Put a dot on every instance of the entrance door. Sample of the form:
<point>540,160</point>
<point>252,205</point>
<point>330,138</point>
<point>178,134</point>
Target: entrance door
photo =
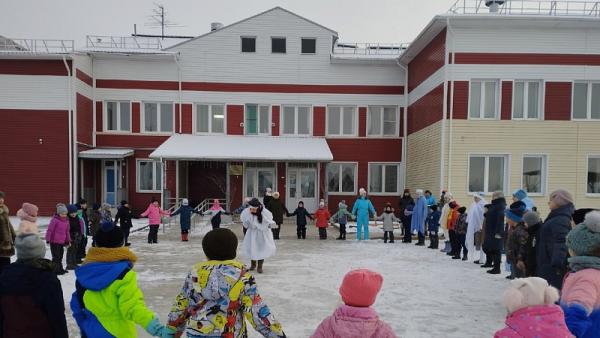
<point>302,186</point>
<point>111,181</point>
<point>257,180</point>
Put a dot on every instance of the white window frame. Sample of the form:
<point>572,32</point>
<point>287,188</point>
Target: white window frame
<point>382,107</point>
<point>340,192</point>
<point>507,166</point>
<point>398,184</point>
<point>588,104</point>
<point>341,134</point>
<point>105,116</point>
<point>159,112</point>
<point>154,179</point>
<point>269,123</point>
<point>544,173</point>
<point>587,165</point>
<point>482,101</point>
<point>295,133</point>
<point>249,37</point>
<point>542,93</point>
<point>210,107</point>
<point>279,37</point>
<point>308,38</point>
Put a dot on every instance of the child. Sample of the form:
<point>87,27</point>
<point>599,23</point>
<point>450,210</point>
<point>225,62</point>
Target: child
<point>124,214</point>
<point>107,301</point>
<point>301,214</point>
<point>532,312</point>
<point>461,234</point>
<point>82,212</point>
<point>95,218</point>
<point>76,228</point>
<point>451,225</point>
<point>534,224</point>
<point>153,212</point>
<point>185,218</point>
<point>59,237</point>
<point>516,243</point>
<point>218,295</point>
<point>433,226</point>
<point>580,293</point>
<point>215,212</point>
<point>356,318</point>
<point>342,216</point>
<point>388,219</point>
<point>105,212</point>
<point>322,217</point>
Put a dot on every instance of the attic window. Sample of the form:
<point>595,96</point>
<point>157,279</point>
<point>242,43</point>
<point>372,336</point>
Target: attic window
<point>278,45</point>
<point>248,45</point>
<point>309,46</point>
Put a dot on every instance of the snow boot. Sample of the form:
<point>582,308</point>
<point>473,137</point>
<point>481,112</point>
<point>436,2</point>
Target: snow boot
<point>259,269</point>
<point>252,265</point>
<point>446,248</point>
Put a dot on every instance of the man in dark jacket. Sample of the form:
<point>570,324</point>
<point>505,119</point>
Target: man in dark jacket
<point>494,230</point>
<point>278,210</point>
<point>552,252</point>
<point>124,214</point>
<point>405,202</point>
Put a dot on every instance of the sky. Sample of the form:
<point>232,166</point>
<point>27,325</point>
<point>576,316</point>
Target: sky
<point>387,21</point>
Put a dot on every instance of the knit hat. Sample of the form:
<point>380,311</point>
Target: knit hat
<point>360,287</point>
<point>220,244</point>
<point>72,208</point>
<point>530,291</point>
<point>516,211</point>
<point>28,212</point>
<point>497,194</point>
<point>30,246</point>
<point>123,202</point>
<point>453,204</point>
<point>584,239</point>
<point>579,214</point>
<point>82,201</point>
<point>520,194</point>
<point>61,209</point>
<point>362,192</point>
<point>185,201</point>
<point>105,206</point>
<point>531,218</point>
<point>109,235</point>
<point>95,206</point>
<point>561,197</point>
<point>254,203</point>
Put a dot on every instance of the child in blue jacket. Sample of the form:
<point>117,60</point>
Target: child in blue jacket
<point>185,218</point>
<point>433,226</point>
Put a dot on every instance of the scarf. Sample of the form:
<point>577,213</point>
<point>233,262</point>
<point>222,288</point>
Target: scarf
<point>97,255</point>
<point>584,262</point>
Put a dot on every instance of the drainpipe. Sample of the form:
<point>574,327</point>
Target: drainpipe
<point>93,103</point>
<point>179,90</point>
<point>405,120</point>
<point>451,131</point>
<point>70,117</point>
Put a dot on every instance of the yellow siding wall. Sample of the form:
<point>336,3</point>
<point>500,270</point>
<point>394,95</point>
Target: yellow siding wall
<point>423,159</point>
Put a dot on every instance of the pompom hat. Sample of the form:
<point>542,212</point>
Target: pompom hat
<point>360,287</point>
<point>584,239</point>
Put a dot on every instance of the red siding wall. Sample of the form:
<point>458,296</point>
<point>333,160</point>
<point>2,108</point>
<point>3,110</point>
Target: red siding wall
<point>85,119</point>
<point>528,59</point>
<point>461,100</point>
<point>506,104</point>
<point>426,111</point>
<point>99,116</point>
<point>367,150</point>
<point>135,117</point>
<point>428,61</point>
<point>379,203</point>
<point>23,158</point>
<point>34,67</point>
<point>131,141</point>
<point>187,119</point>
<point>235,116</point>
<point>236,189</point>
<point>275,120</point>
<point>138,201</point>
<point>558,101</point>
<point>81,75</point>
<point>362,121</point>
<point>319,120</point>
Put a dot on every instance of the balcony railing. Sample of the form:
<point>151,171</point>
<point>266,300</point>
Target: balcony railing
<point>36,46</point>
<point>530,7</point>
<point>369,49</point>
<point>122,42</point>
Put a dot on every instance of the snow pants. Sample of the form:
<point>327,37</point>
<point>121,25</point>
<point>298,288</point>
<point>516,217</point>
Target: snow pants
<point>388,234</point>
<point>57,251</point>
<point>322,233</point>
<point>342,231</point>
<point>73,251</point>
<point>4,261</point>
<point>362,225</point>
<point>153,233</point>
<point>301,231</point>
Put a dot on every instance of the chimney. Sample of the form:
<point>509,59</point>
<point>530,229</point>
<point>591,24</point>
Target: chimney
<point>494,5</point>
<point>215,26</point>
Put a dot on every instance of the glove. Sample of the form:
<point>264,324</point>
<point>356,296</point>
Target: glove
<point>156,329</point>
<point>168,333</point>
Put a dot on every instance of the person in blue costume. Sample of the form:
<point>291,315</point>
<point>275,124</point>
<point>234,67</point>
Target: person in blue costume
<point>419,216</point>
<point>361,209</point>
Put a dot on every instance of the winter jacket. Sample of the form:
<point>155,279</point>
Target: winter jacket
<point>278,210</point>
<point>216,298</point>
<point>552,250</point>
<point>580,301</point>
<point>433,221</point>
<point>31,301</point>
<point>107,295</point>
<point>106,215</point>
<point>533,232</point>
<point>83,213</point>
<point>542,321</point>
<point>76,225</point>
<point>353,322</point>
<point>301,214</point>
<point>185,216</point>
<point>95,219</point>
<point>494,225</point>
<point>430,200</point>
<point>124,214</point>
<point>342,215</point>
<point>388,219</point>
<point>322,217</point>
<point>58,231</point>
<point>153,212</point>
<point>453,216</point>
<point>461,224</point>
<point>266,200</point>
<point>7,234</point>
<point>516,245</point>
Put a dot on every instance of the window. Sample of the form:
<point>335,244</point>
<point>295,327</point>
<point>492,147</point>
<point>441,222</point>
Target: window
<point>278,45</point>
<point>117,116</point>
<point>341,178</point>
<point>309,46</point>
<point>248,44</point>
<point>383,178</point>
<point>586,101</point>
<point>593,177</point>
<point>534,174</point>
<point>158,117</point>
<point>527,100</point>
<point>483,99</point>
<point>382,121</point>
<point>210,118</point>
<point>341,121</point>
<point>149,176</point>
<point>296,120</point>
<point>487,173</point>
<point>258,121</point>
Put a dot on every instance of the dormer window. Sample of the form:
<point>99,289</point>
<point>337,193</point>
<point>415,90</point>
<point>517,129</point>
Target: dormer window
<point>248,44</point>
<point>278,46</point>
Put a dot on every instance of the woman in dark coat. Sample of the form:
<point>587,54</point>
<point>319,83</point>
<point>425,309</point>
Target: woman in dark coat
<point>552,252</point>
<point>124,214</point>
<point>405,201</point>
<point>278,210</point>
<point>494,230</point>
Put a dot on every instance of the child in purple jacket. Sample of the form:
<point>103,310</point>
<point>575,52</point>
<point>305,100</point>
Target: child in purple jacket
<point>58,237</point>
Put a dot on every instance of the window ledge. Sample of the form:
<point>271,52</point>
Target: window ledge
<point>396,194</point>
<point>148,191</point>
<point>153,133</point>
<point>592,195</point>
<point>342,193</point>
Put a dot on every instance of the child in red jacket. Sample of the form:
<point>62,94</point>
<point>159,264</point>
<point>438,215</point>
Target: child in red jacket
<point>322,217</point>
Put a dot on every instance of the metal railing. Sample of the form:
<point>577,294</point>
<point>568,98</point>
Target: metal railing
<point>36,46</point>
<point>122,42</point>
<point>367,48</point>
<point>530,7</point>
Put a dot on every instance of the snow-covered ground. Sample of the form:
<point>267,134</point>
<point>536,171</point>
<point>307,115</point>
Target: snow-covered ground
<point>425,293</point>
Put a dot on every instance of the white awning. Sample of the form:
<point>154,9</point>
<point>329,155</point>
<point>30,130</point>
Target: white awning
<point>101,153</point>
<point>243,148</point>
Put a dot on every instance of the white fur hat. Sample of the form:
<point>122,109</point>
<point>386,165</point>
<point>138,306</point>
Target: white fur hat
<point>362,191</point>
<point>419,192</point>
<point>525,292</point>
<point>185,201</point>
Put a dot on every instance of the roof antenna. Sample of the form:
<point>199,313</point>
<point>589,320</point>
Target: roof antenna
<point>494,5</point>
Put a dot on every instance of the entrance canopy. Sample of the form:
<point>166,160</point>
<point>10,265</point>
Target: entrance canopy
<point>106,153</point>
<point>243,148</point>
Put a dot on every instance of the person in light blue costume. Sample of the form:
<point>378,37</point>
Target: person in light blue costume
<point>361,209</point>
<point>419,217</point>
<point>521,195</point>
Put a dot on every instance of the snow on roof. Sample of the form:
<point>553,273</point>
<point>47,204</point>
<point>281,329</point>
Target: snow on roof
<point>106,153</point>
<point>251,148</point>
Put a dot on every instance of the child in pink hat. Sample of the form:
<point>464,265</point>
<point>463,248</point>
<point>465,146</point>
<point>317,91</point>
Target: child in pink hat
<point>356,318</point>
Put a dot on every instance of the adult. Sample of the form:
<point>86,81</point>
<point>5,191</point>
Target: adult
<point>124,215</point>
<point>7,235</point>
<point>521,195</point>
<point>430,199</point>
<point>278,210</point>
<point>258,242</point>
<point>405,202</point>
<point>494,230</point>
<point>444,219</point>
<point>475,223</point>
<point>419,216</point>
<point>552,249</point>
<point>442,200</point>
<point>534,224</point>
<point>361,209</point>
<point>267,198</point>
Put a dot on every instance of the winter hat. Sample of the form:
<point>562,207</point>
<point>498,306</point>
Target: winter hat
<point>321,204</point>
<point>419,192</point>
<point>584,239</point>
<point>433,207</point>
<point>461,210</point>
<point>61,209</point>
<point>479,195</point>
<point>220,244</point>
<point>105,206</point>
<point>185,201</point>
<point>109,235</point>
<point>95,206</point>
<point>30,246</point>
<point>360,287</point>
<point>516,211</point>
<point>72,208</point>
<point>520,194</point>
<point>531,218</point>
<point>254,203</point>
<point>28,212</point>
<point>561,197</point>
<point>123,202</point>
<point>276,195</point>
<point>532,291</point>
<point>453,204</point>
<point>579,214</point>
<point>497,194</point>
<point>362,192</point>
<point>82,201</point>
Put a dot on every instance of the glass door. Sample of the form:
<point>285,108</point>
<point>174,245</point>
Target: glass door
<point>257,180</point>
<point>111,181</point>
<point>302,186</point>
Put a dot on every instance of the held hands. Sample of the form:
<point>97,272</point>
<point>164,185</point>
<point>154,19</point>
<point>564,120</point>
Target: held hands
<point>156,329</point>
